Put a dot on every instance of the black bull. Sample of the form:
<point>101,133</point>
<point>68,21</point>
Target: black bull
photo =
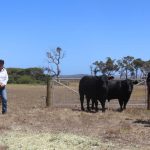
<point>94,88</point>
<point>100,88</point>
<point>148,81</point>
<point>121,90</point>
<point>148,92</point>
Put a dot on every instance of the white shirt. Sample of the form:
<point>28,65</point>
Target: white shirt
<point>3,76</point>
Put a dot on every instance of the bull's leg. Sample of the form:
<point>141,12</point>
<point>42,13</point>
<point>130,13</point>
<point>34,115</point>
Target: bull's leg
<point>88,103</point>
<point>92,104</point>
<point>121,104</point>
<point>96,104</point>
<point>82,101</point>
<point>108,104</point>
<point>103,105</point>
<point>125,103</point>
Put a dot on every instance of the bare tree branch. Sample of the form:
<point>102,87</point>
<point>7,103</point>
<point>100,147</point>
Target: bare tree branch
<point>54,59</point>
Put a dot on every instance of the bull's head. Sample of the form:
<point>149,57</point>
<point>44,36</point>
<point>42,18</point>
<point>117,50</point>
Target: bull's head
<point>128,85</point>
<point>148,81</point>
<point>103,81</point>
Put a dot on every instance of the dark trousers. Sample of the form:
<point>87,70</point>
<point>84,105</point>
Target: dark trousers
<point>3,95</point>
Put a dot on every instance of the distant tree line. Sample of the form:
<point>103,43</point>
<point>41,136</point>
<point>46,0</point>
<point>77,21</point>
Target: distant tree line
<point>26,76</point>
<point>38,75</point>
<point>126,67</point>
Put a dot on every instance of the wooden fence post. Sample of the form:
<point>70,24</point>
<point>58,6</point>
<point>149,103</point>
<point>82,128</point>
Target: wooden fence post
<point>49,92</point>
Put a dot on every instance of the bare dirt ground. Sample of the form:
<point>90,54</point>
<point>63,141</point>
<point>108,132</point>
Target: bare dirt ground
<point>27,114</point>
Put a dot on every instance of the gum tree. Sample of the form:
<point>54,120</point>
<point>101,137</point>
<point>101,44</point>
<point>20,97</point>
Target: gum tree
<point>54,59</point>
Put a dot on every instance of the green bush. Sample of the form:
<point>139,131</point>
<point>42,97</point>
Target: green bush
<point>25,79</point>
<point>26,76</point>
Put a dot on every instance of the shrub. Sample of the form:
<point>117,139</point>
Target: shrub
<point>25,79</point>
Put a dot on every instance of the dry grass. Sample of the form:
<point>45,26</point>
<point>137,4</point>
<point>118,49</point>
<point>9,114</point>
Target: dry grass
<point>28,120</point>
<point>44,141</point>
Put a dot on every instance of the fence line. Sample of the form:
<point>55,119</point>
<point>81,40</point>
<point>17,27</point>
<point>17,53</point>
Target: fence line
<point>65,99</point>
<point>141,82</point>
<point>145,85</point>
<point>66,86</point>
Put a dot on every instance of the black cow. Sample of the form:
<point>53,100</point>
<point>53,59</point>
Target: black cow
<point>93,87</point>
<point>121,90</point>
<point>148,82</point>
<point>148,77</point>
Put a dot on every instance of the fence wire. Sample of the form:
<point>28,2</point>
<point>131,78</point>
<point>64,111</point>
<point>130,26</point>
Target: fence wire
<point>65,94</point>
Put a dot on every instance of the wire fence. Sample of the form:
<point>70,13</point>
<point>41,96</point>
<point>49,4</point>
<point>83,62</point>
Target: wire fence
<point>65,94</point>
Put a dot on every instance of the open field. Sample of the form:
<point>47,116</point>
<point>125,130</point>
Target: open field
<point>29,125</point>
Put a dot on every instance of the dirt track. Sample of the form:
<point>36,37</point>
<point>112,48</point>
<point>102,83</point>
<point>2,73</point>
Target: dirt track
<point>27,114</point>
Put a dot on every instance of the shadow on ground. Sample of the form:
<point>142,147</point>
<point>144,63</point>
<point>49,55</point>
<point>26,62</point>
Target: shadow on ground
<point>146,123</point>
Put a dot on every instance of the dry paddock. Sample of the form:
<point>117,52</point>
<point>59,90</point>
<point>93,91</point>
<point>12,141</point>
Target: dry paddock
<point>30,125</point>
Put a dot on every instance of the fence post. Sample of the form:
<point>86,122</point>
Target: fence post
<point>49,92</point>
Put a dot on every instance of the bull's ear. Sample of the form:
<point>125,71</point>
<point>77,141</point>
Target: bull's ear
<point>135,81</point>
<point>110,77</point>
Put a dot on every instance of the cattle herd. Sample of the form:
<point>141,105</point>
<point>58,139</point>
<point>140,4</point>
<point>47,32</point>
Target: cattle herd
<point>101,88</point>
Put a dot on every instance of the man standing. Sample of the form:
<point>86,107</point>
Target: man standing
<point>3,82</point>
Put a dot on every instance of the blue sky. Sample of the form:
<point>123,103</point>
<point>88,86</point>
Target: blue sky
<point>86,30</point>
